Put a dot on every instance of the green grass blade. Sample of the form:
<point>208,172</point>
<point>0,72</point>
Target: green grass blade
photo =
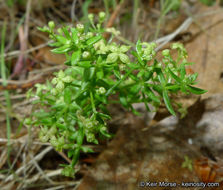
<point>6,93</point>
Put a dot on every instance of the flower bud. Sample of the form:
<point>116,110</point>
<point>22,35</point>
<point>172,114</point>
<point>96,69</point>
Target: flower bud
<point>51,36</point>
<point>153,45</point>
<point>124,48</point>
<point>52,131</point>
<point>89,35</point>
<point>61,140</point>
<point>82,38</point>
<point>122,67</point>
<point>103,128</point>
<point>102,90</point>
<point>68,79</point>
<point>102,16</point>
<point>124,58</point>
<point>89,124</point>
<point>159,65</point>
<point>54,91</point>
<point>90,137</point>
<point>60,31</point>
<point>91,17</point>
<point>28,121</point>
<point>45,29</point>
<point>80,28</point>
<point>51,24</point>
<point>113,48</point>
<point>44,130</point>
<point>61,74</point>
<point>60,86</point>
<point>44,139</point>
<point>166,52</point>
<point>86,55</point>
<point>54,81</point>
<point>54,141</point>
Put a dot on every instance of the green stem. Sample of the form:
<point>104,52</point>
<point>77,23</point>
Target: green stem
<point>116,84</point>
<point>92,102</point>
<point>6,93</point>
<point>106,3</point>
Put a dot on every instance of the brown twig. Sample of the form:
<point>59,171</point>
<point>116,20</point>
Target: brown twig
<point>115,14</point>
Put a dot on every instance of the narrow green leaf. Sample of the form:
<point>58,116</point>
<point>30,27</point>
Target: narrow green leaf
<point>62,39</point>
<point>46,121</point>
<point>75,57</point>
<point>92,72</point>
<point>41,114</point>
<point>103,115</point>
<point>70,153</point>
<point>67,62</point>
<point>100,74</point>
<point>196,90</point>
<point>117,74</point>
<point>158,88</point>
<point>67,95</point>
<point>62,49</point>
<point>174,76</point>
<point>182,71</point>
<point>86,74</point>
<point>76,156</point>
<point>93,40</point>
<point>135,89</point>
<point>74,106</point>
<point>66,32</point>
<point>123,101</point>
<point>54,44</point>
<point>73,136</point>
<point>43,29</point>
<point>74,35</point>
<point>148,75</point>
<point>133,77</point>
<point>104,83</point>
<point>138,47</point>
<point>58,106</point>
<point>167,102</point>
<point>61,126</point>
<point>161,76</point>
<point>86,149</point>
<point>151,95</point>
<point>174,87</point>
<point>105,134</point>
<point>192,78</point>
<point>84,64</point>
<point>140,73</point>
<point>80,137</point>
<point>135,54</point>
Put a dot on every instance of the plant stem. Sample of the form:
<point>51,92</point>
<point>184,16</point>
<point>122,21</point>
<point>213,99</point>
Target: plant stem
<point>6,93</point>
<point>92,102</point>
<point>116,84</point>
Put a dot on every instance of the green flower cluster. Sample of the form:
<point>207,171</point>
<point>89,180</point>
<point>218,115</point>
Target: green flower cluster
<point>73,105</point>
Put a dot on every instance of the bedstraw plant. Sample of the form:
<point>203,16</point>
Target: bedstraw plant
<point>73,105</point>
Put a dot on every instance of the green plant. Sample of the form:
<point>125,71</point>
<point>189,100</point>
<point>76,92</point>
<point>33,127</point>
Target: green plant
<point>165,7</point>
<point>73,104</point>
<point>208,2</point>
<point>188,163</point>
<point>3,75</point>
